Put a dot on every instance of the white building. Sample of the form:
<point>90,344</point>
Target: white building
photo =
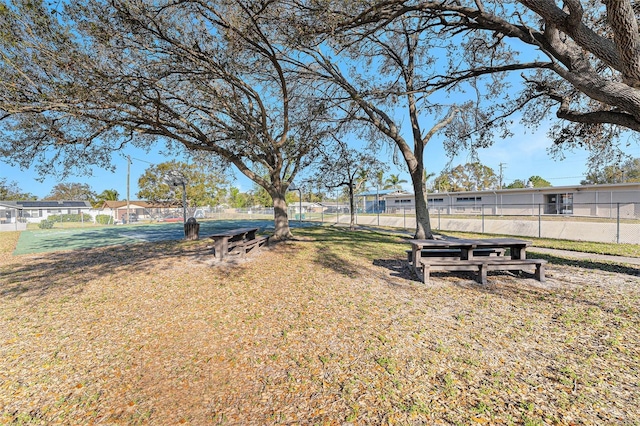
<point>580,200</point>
<point>36,211</point>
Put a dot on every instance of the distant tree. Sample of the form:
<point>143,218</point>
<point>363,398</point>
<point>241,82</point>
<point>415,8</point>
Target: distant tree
<point>629,171</point>
<point>203,189</point>
<point>394,182</point>
<point>348,168</point>
<point>533,181</point>
<point>468,177</point>
<point>10,191</point>
<point>443,183</point>
<point>518,183</point>
<point>237,199</point>
<point>260,197</point>
<point>378,179</point>
<point>539,182</point>
<point>313,191</point>
<point>106,195</point>
<point>72,191</point>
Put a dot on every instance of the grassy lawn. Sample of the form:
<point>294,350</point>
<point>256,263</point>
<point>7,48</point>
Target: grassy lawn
<point>327,329</point>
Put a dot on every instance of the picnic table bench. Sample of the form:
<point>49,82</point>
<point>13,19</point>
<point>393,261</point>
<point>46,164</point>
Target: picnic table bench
<point>475,255</point>
<point>237,241</point>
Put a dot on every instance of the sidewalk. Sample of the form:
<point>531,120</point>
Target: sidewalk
<point>585,256</point>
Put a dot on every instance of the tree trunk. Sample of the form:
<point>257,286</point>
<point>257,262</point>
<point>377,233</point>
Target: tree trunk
<point>423,222</point>
<point>281,218</point>
<point>352,224</point>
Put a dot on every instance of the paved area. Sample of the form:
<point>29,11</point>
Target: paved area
<point>585,256</point>
<point>49,240</point>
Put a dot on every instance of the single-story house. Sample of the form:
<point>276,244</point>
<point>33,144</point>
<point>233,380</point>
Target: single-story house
<point>36,211</point>
<point>139,209</point>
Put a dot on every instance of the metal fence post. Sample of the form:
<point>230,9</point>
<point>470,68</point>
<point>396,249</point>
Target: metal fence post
<point>404,213</point>
<point>482,209</point>
<point>618,223</point>
<point>539,220</point>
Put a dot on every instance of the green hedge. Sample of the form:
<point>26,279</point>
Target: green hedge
<point>103,219</point>
<point>71,218</point>
<point>45,224</point>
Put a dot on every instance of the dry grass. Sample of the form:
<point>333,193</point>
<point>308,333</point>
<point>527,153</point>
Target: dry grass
<point>324,330</point>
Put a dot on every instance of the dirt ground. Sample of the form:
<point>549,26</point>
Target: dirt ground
<point>323,330</point>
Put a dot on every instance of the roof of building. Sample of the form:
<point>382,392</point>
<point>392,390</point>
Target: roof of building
<point>139,203</point>
<point>552,189</point>
<point>46,204</point>
<point>383,192</point>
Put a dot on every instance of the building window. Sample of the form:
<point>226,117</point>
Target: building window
<point>468,199</point>
<point>559,203</point>
<point>32,213</point>
<point>437,200</point>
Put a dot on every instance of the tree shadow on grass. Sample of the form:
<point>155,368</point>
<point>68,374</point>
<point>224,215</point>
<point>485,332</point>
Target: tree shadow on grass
<point>327,258</point>
<point>399,268</point>
<point>39,275</point>
<point>512,286</point>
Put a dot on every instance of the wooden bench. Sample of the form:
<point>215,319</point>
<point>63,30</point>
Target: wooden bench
<point>246,246</point>
<point>237,241</point>
<point>482,266</point>
<point>444,254</point>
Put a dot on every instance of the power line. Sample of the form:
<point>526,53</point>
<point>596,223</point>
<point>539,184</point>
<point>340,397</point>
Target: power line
<point>143,161</point>
<point>567,177</point>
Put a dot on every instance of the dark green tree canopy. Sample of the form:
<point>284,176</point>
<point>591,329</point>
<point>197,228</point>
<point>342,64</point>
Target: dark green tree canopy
<point>533,181</point>
<point>72,191</point>
<point>106,195</point>
<point>468,177</point>
<point>203,189</point>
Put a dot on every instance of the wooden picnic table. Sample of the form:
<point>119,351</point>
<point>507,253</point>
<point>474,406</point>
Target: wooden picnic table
<point>227,240</point>
<point>473,256</point>
<point>517,247</point>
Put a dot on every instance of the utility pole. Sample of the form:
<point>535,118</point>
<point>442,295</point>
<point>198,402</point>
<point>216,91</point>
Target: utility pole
<point>501,165</point>
<point>128,178</point>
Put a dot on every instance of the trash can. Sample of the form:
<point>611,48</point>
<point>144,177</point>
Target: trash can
<point>191,229</point>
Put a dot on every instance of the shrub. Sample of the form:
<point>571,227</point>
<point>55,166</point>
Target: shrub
<point>103,219</point>
<point>45,224</point>
<point>71,218</point>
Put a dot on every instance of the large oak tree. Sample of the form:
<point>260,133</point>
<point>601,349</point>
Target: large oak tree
<point>379,78</point>
<point>80,82</point>
<point>579,59</point>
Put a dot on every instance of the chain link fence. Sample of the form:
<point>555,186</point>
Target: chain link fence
<point>594,222</point>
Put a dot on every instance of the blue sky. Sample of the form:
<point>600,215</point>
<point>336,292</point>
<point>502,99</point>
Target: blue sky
<point>523,155</point>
